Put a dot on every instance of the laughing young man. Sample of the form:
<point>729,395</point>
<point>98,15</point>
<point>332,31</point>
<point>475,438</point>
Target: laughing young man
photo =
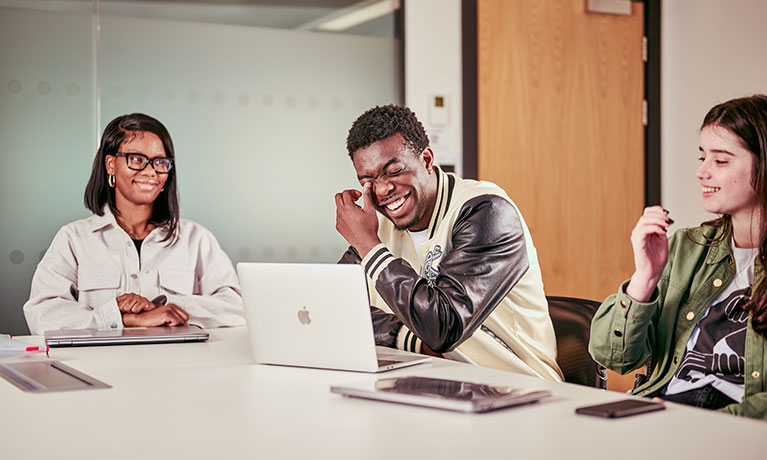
<point>450,262</point>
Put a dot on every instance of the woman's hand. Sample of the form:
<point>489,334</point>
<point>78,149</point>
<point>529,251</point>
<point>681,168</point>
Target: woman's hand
<point>161,315</point>
<point>134,303</point>
<point>650,244</point>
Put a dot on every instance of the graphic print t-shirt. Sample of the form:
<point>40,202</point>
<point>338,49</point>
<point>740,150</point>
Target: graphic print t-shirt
<point>716,350</point>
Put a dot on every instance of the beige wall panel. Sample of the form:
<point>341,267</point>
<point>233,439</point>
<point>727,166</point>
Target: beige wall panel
<point>560,129</point>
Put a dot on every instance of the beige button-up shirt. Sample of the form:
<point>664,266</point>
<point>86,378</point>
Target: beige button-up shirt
<point>93,261</point>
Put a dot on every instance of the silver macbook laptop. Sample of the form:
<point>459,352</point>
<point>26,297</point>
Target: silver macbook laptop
<point>313,315</point>
<point>127,336</point>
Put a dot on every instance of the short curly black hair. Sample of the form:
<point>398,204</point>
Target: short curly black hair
<point>382,122</point>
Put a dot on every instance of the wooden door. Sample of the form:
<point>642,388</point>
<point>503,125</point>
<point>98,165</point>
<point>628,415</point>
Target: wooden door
<point>560,128</point>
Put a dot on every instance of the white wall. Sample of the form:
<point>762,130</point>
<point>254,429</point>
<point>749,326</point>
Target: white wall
<point>712,51</point>
<point>433,67</point>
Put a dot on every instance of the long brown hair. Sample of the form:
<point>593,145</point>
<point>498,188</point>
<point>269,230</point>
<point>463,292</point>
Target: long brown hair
<point>746,118</point>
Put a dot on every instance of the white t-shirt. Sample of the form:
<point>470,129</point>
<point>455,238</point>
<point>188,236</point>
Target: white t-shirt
<point>715,353</point>
<point>418,237</point>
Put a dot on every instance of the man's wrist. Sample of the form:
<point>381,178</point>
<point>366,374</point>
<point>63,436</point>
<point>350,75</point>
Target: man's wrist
<point>364,248</point>
<point>425,350</point>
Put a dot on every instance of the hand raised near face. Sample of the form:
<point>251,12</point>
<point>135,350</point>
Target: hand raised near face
<point>650,244</point>
<point>358,225</point>
<point>134,303</point>
<point>162,315</point>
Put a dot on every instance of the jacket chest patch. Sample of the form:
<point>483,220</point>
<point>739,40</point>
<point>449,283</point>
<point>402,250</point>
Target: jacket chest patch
<point>428,272</point>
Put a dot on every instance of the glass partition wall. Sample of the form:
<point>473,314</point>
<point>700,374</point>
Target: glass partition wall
<point>257,95</point>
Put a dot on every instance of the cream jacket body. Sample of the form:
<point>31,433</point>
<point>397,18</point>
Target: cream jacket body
<point>92,261</point>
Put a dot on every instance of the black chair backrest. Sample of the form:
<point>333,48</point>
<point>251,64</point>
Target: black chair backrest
<point>572,325</point>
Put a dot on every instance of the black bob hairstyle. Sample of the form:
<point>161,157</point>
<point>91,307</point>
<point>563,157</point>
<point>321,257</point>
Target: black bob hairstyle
<point>98,192</point>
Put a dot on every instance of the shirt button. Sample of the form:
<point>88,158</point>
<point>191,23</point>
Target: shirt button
<point>623,303</point>
<point>755,374</point>
<point>676,359</point>
<point>618,333</point>
<point>690,316</point>
<point>717,282</point>
<point>134,276</point>
<point>114,325</point>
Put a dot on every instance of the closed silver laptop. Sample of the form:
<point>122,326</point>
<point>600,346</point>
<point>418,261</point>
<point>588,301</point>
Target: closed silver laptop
<point>442,393</point>
<point>126,336</point>
<point>313,315</point>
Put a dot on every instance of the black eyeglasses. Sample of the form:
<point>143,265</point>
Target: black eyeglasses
<point>138,162</point>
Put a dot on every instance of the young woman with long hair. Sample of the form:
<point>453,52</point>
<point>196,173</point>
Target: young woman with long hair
<point>696,305</point>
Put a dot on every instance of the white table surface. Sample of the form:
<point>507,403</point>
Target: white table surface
<point>208,400</point>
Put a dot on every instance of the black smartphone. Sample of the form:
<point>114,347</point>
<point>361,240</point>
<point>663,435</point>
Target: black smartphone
<point>622,408</point>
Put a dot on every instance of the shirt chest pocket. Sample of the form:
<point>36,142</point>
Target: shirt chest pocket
<point>97,286</point>
<point>95,280</point>
<point>180,282</point>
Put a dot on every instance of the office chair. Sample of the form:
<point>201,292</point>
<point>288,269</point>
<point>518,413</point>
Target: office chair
<point>572,324</point>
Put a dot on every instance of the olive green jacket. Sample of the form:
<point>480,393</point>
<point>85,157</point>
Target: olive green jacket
<point>625,333</point>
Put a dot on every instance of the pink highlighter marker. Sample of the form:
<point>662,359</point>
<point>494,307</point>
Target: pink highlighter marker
<point>40,349</point>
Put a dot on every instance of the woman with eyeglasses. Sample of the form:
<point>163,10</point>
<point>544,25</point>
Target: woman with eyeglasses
<point>134,262</point>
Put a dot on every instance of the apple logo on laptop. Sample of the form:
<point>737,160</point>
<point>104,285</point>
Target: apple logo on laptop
<point>303,316</point>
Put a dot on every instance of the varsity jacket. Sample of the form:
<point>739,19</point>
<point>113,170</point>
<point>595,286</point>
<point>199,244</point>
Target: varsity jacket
<point>625,333</point>
<point>472,291</point>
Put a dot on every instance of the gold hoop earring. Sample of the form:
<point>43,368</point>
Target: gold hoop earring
<point>111,180</point>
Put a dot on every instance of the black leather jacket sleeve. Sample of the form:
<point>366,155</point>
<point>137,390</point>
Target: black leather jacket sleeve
<point>385,325</point>
<point>487,258</point>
